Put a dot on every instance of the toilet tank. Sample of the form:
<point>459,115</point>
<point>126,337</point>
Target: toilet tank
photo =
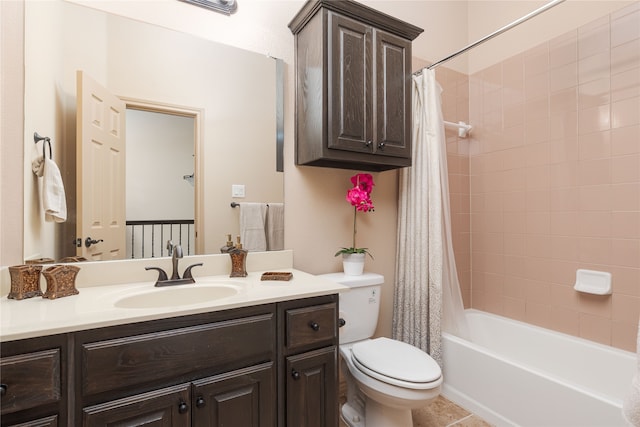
<point>359,306</point>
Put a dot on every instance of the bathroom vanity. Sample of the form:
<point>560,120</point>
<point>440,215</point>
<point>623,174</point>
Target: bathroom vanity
<point>266,356</point>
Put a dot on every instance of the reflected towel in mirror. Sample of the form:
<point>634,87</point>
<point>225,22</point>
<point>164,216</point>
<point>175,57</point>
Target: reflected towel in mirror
<point>252,226</point>
<point>275,227</point>
<point>54,200</point>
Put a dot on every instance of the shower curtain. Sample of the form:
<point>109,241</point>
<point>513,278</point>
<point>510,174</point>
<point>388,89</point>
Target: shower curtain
<point>427,294</point>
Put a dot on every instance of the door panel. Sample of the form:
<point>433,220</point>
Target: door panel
<point>167,407</point>
<point>311,386</point>
<point>393,95</point>
<point>242,398</point>
<point>350,80</point>
<point>100,152</point>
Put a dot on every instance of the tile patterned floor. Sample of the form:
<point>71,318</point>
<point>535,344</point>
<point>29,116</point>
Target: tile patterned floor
<point>443,413</point>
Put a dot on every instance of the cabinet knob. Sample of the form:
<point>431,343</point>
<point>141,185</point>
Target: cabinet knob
<point>183,408</point>
<point>314,326</point>
<point>200,402</point>
<point>3,389</point>
<point>341,322</point>
<point>368,144</point>
<point>295,374</point>
<point>381,146</point>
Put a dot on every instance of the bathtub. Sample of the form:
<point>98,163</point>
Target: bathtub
<point>516,374</point>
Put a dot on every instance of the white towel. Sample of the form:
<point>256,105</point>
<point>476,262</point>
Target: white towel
<point>631,404</point>
<point>54,200</point>
<point>275,227</point>
<point>252,226</point>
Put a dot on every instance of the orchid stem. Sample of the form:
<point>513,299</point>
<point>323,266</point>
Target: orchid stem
<point>355,211</point>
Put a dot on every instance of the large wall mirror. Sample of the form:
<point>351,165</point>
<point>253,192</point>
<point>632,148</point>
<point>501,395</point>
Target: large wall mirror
<point>220,103</point>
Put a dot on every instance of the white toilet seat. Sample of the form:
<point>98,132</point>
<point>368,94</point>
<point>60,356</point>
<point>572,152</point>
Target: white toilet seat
<point>396,363</point>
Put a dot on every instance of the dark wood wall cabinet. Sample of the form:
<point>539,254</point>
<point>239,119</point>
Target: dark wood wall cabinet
<point>353,86</point>
<point>260,366</point>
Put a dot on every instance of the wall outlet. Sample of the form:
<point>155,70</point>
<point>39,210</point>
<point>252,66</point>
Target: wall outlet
<point>237,190</point>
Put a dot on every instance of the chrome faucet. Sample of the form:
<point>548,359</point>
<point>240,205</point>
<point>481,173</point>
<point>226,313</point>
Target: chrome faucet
<point>176,253</point>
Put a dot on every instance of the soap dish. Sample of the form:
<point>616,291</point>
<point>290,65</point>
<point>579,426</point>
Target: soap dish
<point>277,275</point>
<point>593,282</point>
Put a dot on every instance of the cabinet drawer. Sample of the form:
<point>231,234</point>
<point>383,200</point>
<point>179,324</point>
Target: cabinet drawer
<point>311,326</point>
<point>142,359</point>
<point>30,380</point>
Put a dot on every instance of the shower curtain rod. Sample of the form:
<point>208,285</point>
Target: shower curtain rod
<point>492,35</point>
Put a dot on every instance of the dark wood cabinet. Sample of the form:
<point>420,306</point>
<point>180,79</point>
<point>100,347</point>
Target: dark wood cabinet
<point>244,398</point>
<point>311,385</point>
<point>229,368</point>
<point>164,407</point>
<point>33,382</point>
<point>310,362</point>
<point>353,86</point>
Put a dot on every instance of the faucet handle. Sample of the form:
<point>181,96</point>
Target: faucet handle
<point>162,276</point>
<point>187,273</point>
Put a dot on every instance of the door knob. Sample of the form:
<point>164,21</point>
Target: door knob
<point>89,241</point>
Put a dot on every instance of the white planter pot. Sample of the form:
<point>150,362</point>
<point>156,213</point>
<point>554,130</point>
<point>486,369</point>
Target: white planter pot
<point>353,264</point>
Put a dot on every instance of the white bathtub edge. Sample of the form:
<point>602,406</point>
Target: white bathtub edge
<point>475,407</point>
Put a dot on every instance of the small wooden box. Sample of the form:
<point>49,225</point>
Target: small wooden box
<point>25,281</point>
<point>61,281</point>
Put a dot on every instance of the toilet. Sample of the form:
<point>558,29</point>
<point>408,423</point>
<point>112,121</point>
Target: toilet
<point>385,378</point>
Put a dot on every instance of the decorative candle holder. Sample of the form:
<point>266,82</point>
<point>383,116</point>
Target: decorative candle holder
<point>61,281</point>
<point>25,281</point>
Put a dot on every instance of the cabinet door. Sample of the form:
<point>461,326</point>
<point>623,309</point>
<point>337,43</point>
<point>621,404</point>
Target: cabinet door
<point>242,398</point>
<point>393,95</point>
<point>350,83</point>
<point>167,407</point>
<point>311,389</point>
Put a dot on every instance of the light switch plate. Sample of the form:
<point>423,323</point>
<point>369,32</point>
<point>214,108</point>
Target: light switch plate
<point>237,190</point>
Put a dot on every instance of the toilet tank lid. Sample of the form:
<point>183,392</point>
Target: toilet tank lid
<point>365,279</point>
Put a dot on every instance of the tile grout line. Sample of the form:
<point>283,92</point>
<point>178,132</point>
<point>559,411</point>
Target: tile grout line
<point>460,420</point>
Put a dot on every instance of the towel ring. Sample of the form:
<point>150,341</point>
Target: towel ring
<point>37,138</point>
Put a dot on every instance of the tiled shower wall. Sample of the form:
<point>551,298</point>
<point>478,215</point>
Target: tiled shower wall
<point>553,171</point>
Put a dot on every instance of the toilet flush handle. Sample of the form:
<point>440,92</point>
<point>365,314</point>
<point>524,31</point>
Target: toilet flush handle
<point>341,322</point>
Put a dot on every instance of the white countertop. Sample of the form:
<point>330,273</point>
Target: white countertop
<point>95,307</point>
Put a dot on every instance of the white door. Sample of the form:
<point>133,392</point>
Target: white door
<point>100,159</point>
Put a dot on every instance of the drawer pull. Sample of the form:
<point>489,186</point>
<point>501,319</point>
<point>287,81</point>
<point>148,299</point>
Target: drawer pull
<point>314,326</point>
<point>295,374</point>
<point>183,408</point>
<point>200,402</point>
<point>3,389</point>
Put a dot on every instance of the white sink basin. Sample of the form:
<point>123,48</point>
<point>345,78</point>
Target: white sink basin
<point>179,295</point>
